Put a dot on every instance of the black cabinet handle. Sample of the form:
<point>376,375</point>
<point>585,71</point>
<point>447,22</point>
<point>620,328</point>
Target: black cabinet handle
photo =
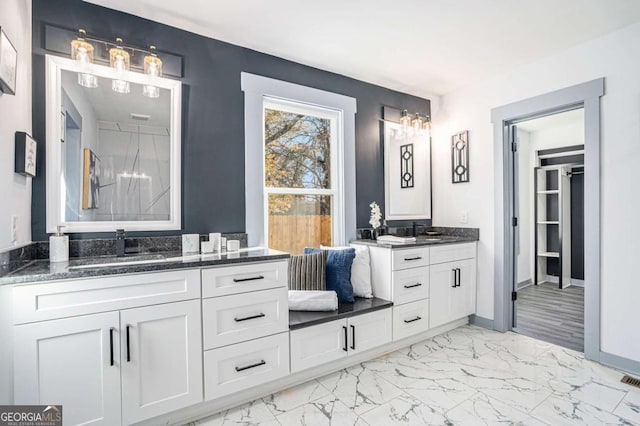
<point>455,278</point>
<point>241,280</point>
<point>128,346</point>
<point>353,337</point>
<point>408,259</point>
<point>111,346</point>
<point>346,338</point>
<point>413,319</point>
<point>260,315</point>
<point>412,285</point>
<point>257,364</point>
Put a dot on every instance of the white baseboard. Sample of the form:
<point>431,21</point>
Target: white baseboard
<point>555,280</point>
<point>209,408</point>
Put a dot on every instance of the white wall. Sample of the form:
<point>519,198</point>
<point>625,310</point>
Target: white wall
<point>615,57</point>
<point>15,115</point>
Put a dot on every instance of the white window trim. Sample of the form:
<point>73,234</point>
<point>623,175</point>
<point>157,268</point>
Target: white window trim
<point>257,89</point>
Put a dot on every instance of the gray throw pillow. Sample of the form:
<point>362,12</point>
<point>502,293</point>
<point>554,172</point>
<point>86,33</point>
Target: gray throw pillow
<point>308,271</point>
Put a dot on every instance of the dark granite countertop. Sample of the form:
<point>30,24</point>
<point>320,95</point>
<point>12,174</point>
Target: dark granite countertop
<point>300,319</point>
<point>421,241</point>
<point>43,270</point>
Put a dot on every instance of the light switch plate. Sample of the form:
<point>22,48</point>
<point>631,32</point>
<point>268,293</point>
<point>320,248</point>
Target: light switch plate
<point>464,217</point>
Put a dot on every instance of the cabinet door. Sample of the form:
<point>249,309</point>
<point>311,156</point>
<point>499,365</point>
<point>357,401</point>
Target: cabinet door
<point>441,293</point>
<point>464,296</point>
<point>161,359</point>
<point>369,330</point>
<point>68,362</point>
<point>319,344</point>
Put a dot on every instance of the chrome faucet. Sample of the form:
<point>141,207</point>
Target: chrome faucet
<point>120,240</point>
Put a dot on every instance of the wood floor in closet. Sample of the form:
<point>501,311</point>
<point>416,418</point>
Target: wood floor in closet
<point>548,313</point>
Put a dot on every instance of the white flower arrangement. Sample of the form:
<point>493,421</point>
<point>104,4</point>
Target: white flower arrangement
<point>376,215</point>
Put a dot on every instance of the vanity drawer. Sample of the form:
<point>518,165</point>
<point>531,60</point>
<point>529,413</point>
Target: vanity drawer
<point>240,317</point>
<point>410,258</point>
<point>409,319</point>
<point>410,285</point>
<point>452,252</point>
<point>60,299</point>
<point>227,280</point>
<point>245,365</point>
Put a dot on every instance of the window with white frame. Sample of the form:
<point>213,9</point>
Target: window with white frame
<point>303,181</point>
<point>300,180</point>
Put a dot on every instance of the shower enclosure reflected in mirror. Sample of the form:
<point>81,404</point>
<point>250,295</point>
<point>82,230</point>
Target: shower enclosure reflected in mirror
<point>113,158</point>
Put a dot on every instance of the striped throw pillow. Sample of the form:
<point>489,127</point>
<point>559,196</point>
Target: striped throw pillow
<point>308,271</point>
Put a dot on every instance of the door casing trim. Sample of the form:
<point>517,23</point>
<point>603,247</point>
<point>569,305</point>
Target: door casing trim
<point>586,95</point>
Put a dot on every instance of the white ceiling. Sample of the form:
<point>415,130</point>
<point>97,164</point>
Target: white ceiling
<point>423,47</point>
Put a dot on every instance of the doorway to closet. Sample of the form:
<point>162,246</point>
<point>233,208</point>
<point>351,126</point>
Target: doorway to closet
<point>549,236</point>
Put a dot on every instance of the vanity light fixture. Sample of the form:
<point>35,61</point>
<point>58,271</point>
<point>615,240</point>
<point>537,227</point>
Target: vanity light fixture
<point>153,68</point>
<point>119,60</point>
<point>418,125</point>
<point>405,121</point>
<point>426,125</point>
<point>82,52</point>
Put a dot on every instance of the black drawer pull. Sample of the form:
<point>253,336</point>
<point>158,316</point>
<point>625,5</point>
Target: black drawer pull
<point>413,319</point>
<point>128,345</point>
<point>241,280</point>
<point>346,338</point>
<point>408,259</point>
<point>353,337</point>
<point>455,278</point>
<point>413,285</point>
<point>111,346</point>
<point>257,364</point>
<point>260,315</point>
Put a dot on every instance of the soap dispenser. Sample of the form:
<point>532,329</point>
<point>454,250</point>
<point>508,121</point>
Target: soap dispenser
<point>59,246</point>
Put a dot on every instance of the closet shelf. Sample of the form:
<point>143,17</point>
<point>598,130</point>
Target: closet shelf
<point>549,254</point>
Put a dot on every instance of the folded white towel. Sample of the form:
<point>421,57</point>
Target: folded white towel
<point>305,300</point>
<point>395,240</point>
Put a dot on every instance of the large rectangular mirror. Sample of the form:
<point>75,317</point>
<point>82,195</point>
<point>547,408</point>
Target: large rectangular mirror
<point>407,173</point>
<point>113,151</point>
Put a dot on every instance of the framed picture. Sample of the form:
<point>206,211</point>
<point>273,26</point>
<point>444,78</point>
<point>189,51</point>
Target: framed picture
<point>8,65</point>
<point>90,180</point>
<point>26,148</point>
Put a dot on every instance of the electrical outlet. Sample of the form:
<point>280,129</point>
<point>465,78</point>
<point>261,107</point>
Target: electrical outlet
<point>464,217</point>
<point>14,229</point>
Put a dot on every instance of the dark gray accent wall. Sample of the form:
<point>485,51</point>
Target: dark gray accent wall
<point>213,113</point>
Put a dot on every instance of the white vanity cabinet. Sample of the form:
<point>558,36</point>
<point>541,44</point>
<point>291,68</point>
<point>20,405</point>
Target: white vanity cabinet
<point>245,326</point>
<point>428,285</point>
<point>124,365</point>
<point>323,343</point>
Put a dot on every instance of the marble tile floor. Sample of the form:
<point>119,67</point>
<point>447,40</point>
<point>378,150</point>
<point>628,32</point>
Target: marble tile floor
<point>468,376</point>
